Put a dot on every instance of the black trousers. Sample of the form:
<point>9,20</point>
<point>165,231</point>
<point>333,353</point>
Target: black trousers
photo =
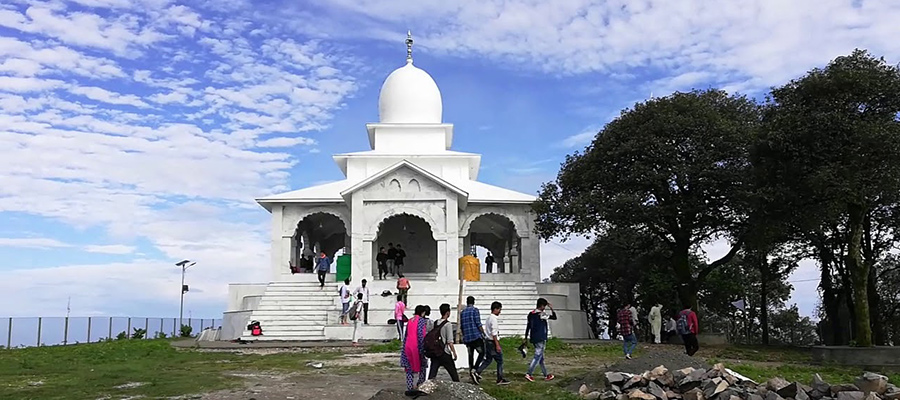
<point>382,270</point>
<point>366,313</point>
<point>445,361</point>
<point>322,278</point>
<point>472,347</point>
<point>690,343</point>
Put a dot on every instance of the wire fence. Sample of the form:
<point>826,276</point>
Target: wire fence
<point>51,331</point>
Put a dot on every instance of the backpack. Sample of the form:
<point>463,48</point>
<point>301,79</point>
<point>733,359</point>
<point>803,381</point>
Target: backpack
<point>354,315</point>
<point>682,325</point>
<point>434,344</point>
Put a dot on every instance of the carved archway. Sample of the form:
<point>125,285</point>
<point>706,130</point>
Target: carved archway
<point>520,224</point>
<point>415,235</point>
<point>317,232</point>
<point>498,234</point>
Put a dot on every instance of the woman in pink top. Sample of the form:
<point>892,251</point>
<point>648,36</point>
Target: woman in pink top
<point>399,309</point>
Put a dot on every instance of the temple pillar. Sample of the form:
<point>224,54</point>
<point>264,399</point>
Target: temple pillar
<point>277,221</point>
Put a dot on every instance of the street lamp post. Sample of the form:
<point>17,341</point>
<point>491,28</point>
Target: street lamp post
<point>184,264</point>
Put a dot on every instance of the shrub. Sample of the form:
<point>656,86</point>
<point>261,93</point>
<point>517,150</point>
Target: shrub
<point>186,330</point>
<point>160,335</point>
<point>122,335</point>
<point>139,333</point>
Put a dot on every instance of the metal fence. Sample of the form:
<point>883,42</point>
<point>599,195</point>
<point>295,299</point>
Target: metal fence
<point>49,331</point>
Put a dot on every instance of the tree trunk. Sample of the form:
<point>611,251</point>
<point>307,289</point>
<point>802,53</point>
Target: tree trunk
<point>687,284</point>
<point>830,301</point>
<point>764,298</point>
<point>874,309</point>
<point>859,276</point>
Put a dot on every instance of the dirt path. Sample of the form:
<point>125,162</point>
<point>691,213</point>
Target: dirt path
<point>310,386</point>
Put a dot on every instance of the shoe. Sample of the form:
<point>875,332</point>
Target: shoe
<point>503,382</point>
<point>628,356</point>
<point>549,377</point>
<point>476,377</point>
<point>529,378</point>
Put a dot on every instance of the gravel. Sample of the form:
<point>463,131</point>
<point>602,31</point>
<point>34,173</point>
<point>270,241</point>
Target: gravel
<point>439,391</point>
<point>671,359</point>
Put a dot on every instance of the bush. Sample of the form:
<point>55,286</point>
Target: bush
<point>160,335</point>
<point>122,335</point>
<point>186,330</point>
<point>139,333</point>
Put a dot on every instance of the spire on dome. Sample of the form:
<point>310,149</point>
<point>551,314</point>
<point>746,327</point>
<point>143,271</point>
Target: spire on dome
<point>409,43</point>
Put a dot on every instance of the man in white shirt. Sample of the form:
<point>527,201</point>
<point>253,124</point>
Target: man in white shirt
<point>492,345</point>
<point>344,292</point>
<point>364,291</point>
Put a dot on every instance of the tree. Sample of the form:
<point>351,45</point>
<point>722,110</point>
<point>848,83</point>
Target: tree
<point>833,137</point>
<point>675,166</point>
<point>791,329</point>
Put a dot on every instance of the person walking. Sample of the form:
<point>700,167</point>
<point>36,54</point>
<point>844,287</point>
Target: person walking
<point>398,259</point>
<point>355,313</point>
<point>323,264</point>
<point>391,254</point>
<point>447,358</point>
<point>492,345</point>
<point>403,287</point>
<point>381,260</point>
<point>472,334</point>
<point>538,328</point>
<point>400,316</point>
<point>344,292</point>
<point>364,292</point>
<point>625,320</point>
<point>489,262</point>
<point>670,329</point>
<point>412,355</point>
<point>655,318</point>
<point>634,321</point>
<point>688,327</point>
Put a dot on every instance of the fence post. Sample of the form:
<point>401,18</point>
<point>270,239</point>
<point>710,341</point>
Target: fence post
<point>201,324</point>
<point>161,326</point>
<point>9,334</point>
<point>109,336</point>
<point>175,326</point>
<point>191,324</point>
<point>39,332</point>
<point>89,330</point>
<point>146,327</point>
<point>66,333</point>
<point>128,330</point>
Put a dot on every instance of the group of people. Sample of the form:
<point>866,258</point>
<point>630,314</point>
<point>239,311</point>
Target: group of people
<point>390,260</point>
<point>425,341</point>
<point>683,323</point>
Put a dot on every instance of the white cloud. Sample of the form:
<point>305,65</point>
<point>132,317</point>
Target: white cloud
<point>285,142</point>
<point>32,243</point>
<point>25,85</point>
<point>106,96</point>
<point>555,253</point>
<point>580,139</point>
<point>750,45</point>
<point>110,249</point>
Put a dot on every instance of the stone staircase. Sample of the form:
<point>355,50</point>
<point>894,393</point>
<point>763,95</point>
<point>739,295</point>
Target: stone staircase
<point>301,311</point>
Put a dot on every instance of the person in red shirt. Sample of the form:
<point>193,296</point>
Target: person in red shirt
<point>626,329</point>
<point>688,328</point>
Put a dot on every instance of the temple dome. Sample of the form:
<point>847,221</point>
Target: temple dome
<point>410,96</point>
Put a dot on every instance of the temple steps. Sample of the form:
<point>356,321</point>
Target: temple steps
<point>304,311</point>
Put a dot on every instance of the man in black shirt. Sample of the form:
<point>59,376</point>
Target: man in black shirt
<point>381,260</point>
<point>489,261</point>
<point>398,259</point>
<point>391,255</point>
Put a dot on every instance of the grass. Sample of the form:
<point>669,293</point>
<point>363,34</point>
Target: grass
<point>91,371</point>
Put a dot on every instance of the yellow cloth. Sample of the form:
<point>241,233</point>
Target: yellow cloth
<point>470,268</point>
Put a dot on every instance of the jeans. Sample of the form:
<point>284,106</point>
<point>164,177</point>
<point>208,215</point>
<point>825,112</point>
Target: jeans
<point>390,266</point>
<point>492,355</point>
<point>629,343</point>
<point>446,361</point>
<point>365,313</point>
<point>382,270</point>
<point>690,343</point>
<point>400,330</point>
<point>322,278</point>
<point>404,293</point>
<point>472,347</point>
<point>538,358</point>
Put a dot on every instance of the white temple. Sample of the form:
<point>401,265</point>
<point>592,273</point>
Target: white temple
<point>410,189</point>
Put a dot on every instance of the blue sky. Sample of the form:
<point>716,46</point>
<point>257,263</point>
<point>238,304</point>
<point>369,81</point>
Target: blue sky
<point>134,134</point>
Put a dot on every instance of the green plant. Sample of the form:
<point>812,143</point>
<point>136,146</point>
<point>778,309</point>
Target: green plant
<point>122,335</point>
<point>388,347</point>
<point>139,333</point>
<point>186,330</point>
<point>160,335</point>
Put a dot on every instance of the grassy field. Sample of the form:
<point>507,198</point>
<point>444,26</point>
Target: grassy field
<point>92,371</point>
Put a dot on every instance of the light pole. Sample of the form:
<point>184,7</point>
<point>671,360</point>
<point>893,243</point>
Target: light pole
<point>184,264</point>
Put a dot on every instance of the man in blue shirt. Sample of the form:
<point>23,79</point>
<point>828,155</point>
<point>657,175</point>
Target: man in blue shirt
<point>472,335</point>
<point>537,327</point>
<point>323,264</point>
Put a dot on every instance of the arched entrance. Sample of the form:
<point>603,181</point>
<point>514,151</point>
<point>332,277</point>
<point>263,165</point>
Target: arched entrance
<point>414,235</point>
<point>496,234</point>
<point>316,233</point>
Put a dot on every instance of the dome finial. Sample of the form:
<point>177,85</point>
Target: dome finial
<point>409,43</point>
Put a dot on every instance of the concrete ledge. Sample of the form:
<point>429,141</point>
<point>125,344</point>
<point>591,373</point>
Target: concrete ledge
<point>858,356</point>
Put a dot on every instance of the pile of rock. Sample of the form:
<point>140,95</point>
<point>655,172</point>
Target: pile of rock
<point>720,383</point>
